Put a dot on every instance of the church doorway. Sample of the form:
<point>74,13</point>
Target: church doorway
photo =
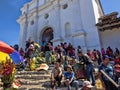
<point>47,35</point>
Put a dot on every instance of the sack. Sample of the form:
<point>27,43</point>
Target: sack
<point>99,84</point>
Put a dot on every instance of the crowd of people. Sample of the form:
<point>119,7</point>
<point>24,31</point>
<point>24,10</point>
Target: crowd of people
<point>72,64</point>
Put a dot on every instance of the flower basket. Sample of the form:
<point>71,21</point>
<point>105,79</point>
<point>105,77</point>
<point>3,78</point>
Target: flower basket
<point>8,74</point>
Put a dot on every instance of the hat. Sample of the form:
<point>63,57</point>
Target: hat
<point>106,57</point>
<point>43,67</point>
<point>87,84</point>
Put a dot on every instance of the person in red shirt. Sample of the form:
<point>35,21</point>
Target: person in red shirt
<point>109,52</point>
<point>90,54</point>
<point>117,60</point>
<point>117,68</point>
<point>103,52</point>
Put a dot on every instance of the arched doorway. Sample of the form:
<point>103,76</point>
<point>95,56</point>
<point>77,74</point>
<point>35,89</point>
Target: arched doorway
<point>47,35</point>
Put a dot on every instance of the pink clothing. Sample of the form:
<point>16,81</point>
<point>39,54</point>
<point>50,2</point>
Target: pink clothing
<point>103,52</point>
<point>117,61</point>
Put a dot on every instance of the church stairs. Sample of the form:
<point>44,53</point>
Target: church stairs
<point>34,80</point>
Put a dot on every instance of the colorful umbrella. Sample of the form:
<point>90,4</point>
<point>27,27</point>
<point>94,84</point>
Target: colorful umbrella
<point>17,59</point>
<point>7,52</point>
<point>4,56</point>
<point>6,48</point>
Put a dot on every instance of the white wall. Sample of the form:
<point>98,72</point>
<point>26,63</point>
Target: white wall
<point>89,16</point>
<point>71,15</point>
<point>23,31</point>
<point>80,14</point>
<point>41,2</point>
<point>52,21</point>
<point>111,38</point>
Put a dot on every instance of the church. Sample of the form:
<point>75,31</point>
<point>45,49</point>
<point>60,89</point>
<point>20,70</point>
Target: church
<point>73,21</point>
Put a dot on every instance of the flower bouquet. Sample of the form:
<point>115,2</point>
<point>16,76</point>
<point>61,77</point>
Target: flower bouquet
<point>7,72</point>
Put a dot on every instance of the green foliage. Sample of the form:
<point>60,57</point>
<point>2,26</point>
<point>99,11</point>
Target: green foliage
<point>39,60</point>
<point>42,54</point>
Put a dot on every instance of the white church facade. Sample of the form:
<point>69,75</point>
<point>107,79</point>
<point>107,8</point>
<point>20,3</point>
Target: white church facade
<point>59,21</point>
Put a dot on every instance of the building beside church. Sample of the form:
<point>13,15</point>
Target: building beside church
<point>109,30</point>
<point>59,21</point>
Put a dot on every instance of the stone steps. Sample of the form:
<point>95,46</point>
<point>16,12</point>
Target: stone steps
<point>37,80</point>
<point>34,76</point>
<point>35,87</point>
<point>32,72</point>
<point>34,80</point>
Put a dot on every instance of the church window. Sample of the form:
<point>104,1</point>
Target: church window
<point>46,16</point>
<point>65,6</point>
<point>32,22</point>
<point>67,30</point>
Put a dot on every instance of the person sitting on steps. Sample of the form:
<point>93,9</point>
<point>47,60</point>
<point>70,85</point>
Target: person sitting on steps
<point>69,77</point>
<point>56,76</point>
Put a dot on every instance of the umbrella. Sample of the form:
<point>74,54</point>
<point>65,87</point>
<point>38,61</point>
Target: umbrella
<point>4,56</point>
<point>15,56</point>
<point>6,48</point>
<point>7,52</point>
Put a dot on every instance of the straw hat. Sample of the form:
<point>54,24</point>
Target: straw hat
<point>43,66</point>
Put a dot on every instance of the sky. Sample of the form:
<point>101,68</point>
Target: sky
<point>10,12</point>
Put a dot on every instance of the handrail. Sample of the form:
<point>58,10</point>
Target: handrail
<point>112,81</point>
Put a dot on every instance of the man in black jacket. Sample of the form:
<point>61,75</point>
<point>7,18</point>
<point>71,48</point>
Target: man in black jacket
<point>89,66</point>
